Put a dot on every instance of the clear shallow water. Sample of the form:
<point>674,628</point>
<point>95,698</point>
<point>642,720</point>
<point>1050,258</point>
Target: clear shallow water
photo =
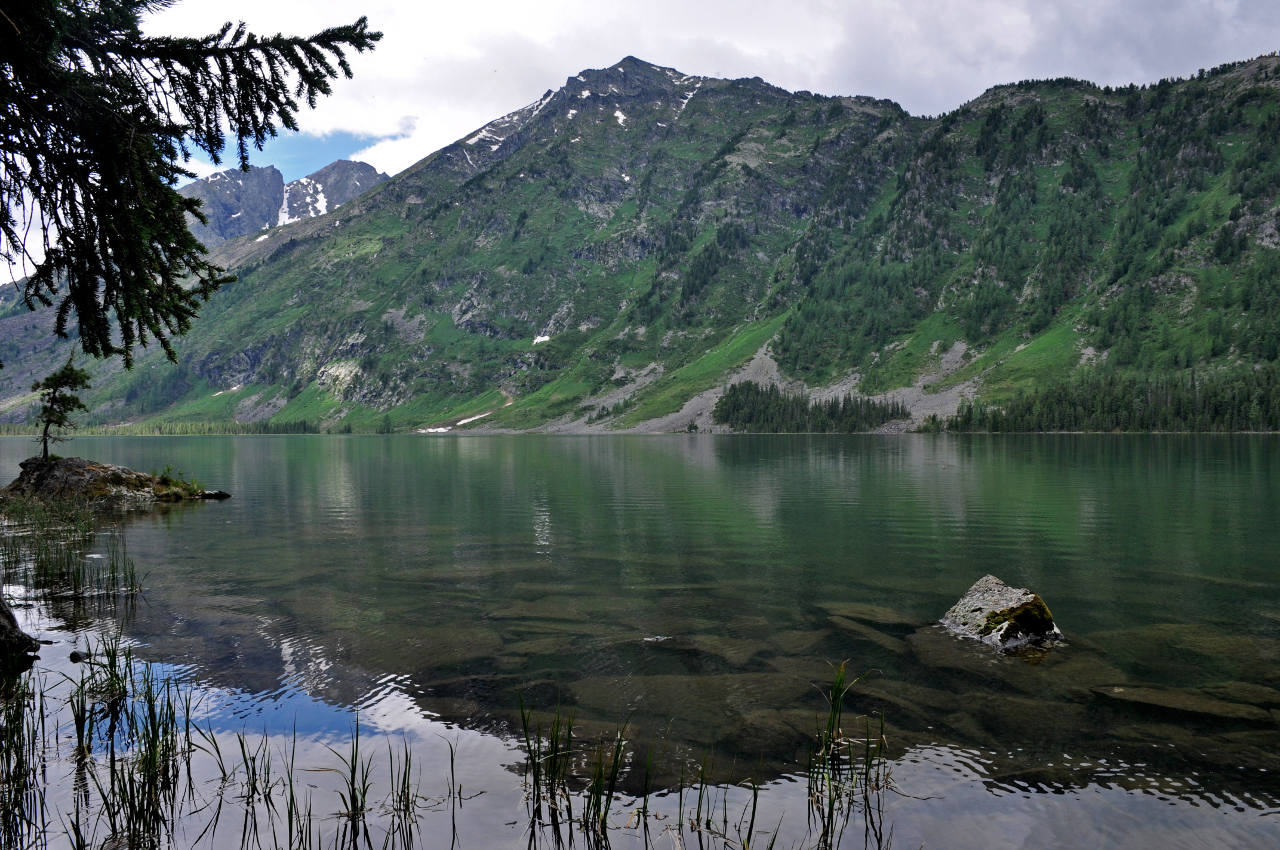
<point>698,588</point>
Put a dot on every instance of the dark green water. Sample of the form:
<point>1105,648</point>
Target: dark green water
<point>699,587</point>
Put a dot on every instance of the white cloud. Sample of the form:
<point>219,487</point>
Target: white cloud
<point>201,168</point>
<point>444,69</point>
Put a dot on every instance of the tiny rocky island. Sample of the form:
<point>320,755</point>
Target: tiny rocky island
<point>101,485</point>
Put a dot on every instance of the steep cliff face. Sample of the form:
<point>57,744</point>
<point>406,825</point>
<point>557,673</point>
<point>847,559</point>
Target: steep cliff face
<point>631,240</point>
<point>238,203</point>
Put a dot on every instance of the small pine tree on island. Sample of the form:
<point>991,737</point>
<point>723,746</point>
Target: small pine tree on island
<point>57,402</point>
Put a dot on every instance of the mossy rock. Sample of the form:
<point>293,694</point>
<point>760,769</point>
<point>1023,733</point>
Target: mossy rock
<point>1033,618</point>
<point>1008,617</point>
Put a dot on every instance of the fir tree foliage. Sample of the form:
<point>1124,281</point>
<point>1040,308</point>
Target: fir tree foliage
<point>96,121</point>
<point>1239,399</point>
<point>748,406</point>
<point>58,400</point>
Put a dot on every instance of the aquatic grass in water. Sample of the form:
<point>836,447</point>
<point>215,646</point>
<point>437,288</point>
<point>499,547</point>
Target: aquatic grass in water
<point>47,546</point>
<point>354,795</point>
<point>548,765</point>
<point>603,783</point>
<point>24,743</point>
<point>847,775</point>
<point>150,776</point>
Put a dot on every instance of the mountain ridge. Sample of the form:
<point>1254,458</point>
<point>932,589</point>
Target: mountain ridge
<point>632,240</point>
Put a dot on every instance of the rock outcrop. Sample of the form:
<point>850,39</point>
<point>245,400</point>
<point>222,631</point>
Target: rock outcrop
<point>99,484</point>
<point>16,646</point>
<point>1003,616</point>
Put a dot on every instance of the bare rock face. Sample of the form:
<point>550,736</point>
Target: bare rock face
<point>98,484</point>
<point>1002,616</point>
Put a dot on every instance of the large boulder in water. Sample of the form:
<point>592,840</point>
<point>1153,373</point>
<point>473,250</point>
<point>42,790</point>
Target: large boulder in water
<point>1008,617</point>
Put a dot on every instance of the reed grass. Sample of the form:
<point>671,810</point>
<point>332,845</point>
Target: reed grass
<point>603,783</point>
<point>135,740</point>
<point>354,795</point>
<point>549,761</point>
<point>50,548</point>
<point>23,743</point>
<point>847,775</point>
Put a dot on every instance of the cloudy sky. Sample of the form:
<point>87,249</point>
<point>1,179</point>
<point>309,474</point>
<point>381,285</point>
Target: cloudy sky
<point>445,68</point>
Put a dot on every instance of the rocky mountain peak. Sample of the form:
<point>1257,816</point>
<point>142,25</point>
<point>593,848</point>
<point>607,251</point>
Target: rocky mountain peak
<point>238,203</point>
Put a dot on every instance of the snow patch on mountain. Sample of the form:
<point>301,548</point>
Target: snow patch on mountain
<point>688,96</point>
<point>485,133</point>
<point>283,218</point>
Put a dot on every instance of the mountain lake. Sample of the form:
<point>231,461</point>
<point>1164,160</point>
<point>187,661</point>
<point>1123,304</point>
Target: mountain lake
<point>688,600</point>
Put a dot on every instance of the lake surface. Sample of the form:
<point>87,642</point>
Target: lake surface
<point>701,591</point>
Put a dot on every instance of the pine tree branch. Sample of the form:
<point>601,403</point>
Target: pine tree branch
<point>95,123</point>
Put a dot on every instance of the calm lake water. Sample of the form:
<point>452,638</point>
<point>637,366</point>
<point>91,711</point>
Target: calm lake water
<point>701,590</point>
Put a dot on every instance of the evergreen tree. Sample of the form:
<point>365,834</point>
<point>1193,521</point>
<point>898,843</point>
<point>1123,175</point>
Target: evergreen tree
<point>57,402</point>
<point>96,121</point>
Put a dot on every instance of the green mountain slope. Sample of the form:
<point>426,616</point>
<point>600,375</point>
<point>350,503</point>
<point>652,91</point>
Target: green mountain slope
<point>633,239</point>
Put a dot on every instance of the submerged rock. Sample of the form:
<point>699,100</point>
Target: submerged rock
<point>99,484</point>
<point>997,614</point>
<point>1180,701</point>
<point>885,641</point>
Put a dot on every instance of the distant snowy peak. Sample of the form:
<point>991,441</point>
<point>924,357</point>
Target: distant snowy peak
<point>330,187</point>
<point>238,203</point>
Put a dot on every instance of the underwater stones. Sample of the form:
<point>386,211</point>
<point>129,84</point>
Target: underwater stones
<point>1002,616</point>
<point>1183,702</point>
<point>764,732</point>
<point>936,649</point>
<point>1027,718</point>
<point>798,640</point>
<point>875,614</point>
<point>873,635</point>
<point>708,700</point>
<point>1162,651</point>
<point>1246,692</point>
<point>1063,673</point>
<point>910,706</point>
<point>448,647</point>
<point>1074,671</point>
<point>801,667</point>
<point>735,652</point>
